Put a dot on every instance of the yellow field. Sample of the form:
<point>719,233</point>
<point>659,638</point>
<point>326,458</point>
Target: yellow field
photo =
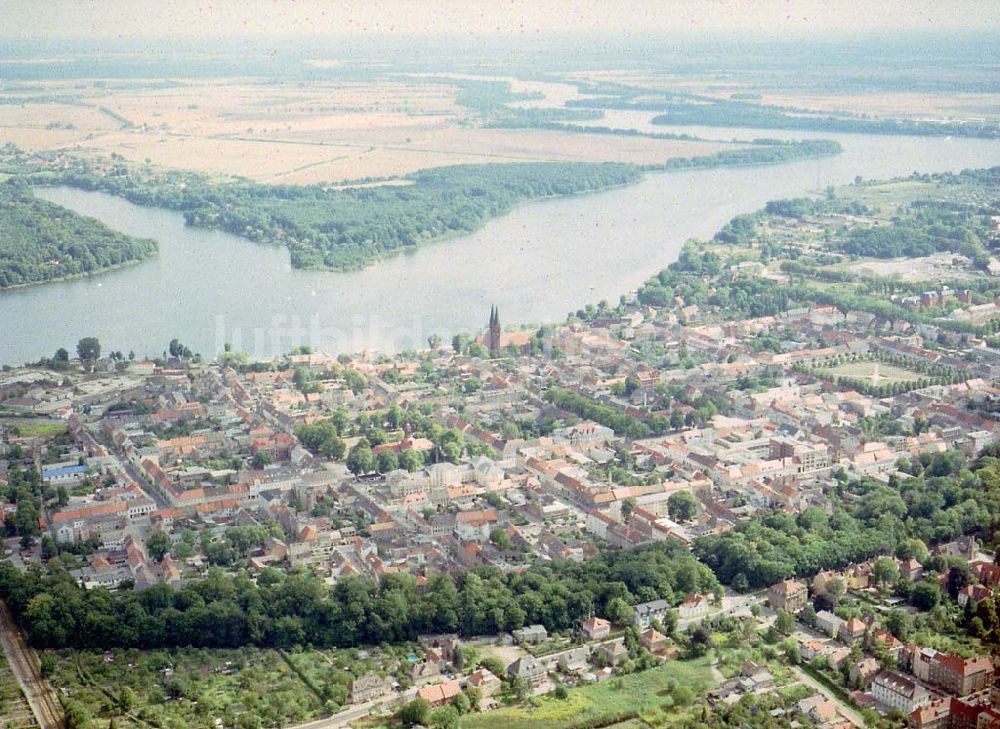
<point>300,133</point>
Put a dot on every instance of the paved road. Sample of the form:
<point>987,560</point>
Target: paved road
<point>846,711</point>
<point>359,711</point>
<point>24,664</point>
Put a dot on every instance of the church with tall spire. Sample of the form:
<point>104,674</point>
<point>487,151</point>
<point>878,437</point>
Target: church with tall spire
<point>499,342</point>
<point>493,337</point>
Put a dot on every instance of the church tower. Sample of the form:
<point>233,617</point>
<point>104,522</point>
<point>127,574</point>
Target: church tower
<point>494,335</point>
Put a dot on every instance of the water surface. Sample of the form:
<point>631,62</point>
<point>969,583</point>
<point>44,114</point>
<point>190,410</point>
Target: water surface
<point>538,263</point>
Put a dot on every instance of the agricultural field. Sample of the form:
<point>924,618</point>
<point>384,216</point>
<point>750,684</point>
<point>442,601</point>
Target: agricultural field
<point>655,695</point>
<point>302,133</point>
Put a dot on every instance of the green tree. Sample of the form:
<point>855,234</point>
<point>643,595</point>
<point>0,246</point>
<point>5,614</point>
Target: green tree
<point>885,571</point>
<point>899,624</point>
<point>628,506</point>
<point>415,712</point>
<point>452,452</point>
<point>360,459</point>
<point>619,611</point>
<point>682,506</point>
<point>925,595</point>
<point>411,461</point>
<point>333,448</point>
<point>158,545</point>
<point>445,718</point>
<point>501,539</point>
<point>785,622</point>
<point>387,461</point>
<point>49,549</point>
<point>89,349</point>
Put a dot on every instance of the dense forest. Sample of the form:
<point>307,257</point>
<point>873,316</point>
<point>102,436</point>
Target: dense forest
<point>347,228</point>
<point>288,609</point>
<point>41,241</point>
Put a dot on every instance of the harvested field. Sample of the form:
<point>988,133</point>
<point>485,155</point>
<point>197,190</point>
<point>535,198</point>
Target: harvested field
<point>300,133</point>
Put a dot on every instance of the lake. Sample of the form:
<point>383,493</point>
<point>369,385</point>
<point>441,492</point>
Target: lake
<point>536,264</point>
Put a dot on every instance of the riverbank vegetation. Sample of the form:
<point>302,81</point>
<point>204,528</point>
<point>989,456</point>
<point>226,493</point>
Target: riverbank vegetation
<point>346,228</point>
<point>343,228</point>
<point>41,241</point>
<point>765,152</point>
<point>682,109</point>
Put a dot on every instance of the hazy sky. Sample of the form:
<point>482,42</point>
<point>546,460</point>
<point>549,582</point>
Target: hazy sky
<point>770,18</point>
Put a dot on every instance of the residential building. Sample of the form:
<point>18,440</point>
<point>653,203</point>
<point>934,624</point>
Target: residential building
<point>612,652</point>
<point>896,691</point>
<point>574,660</point>
<point>439,694</point>
<point>960,676</point>
<point>789,595</point>
<point>647,612</point>
<point>367,688</point>
<point>863,672</point>
<point>529,668</point>
<point>531,634</point>
<point>693,606</point>
<point>853,631</point>
<point>595,628</point>
<point>828,623</point>
<point>653,641</point>
<point>485,681</point>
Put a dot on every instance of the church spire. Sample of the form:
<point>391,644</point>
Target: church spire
<point>494,334</point>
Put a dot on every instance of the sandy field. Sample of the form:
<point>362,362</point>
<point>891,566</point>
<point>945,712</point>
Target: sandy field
<point>298,133</point>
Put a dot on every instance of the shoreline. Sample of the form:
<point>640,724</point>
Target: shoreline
<point>78,276</point>
<point>644,170</point>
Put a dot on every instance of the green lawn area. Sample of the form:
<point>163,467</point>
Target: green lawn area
<point>37,427</point>
<point>876,373</point>
<point>647,692</point>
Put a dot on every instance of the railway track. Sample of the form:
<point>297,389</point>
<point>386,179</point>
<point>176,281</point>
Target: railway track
<point>24,665</point>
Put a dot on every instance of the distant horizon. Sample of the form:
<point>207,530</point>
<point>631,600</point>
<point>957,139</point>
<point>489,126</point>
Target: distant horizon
<point>839,36</point>
<point>766,19</point>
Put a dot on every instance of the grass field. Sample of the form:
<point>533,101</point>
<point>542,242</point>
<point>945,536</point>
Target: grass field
<point>36,428</point>
<point>648,693</point>
<point>875,373</point>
